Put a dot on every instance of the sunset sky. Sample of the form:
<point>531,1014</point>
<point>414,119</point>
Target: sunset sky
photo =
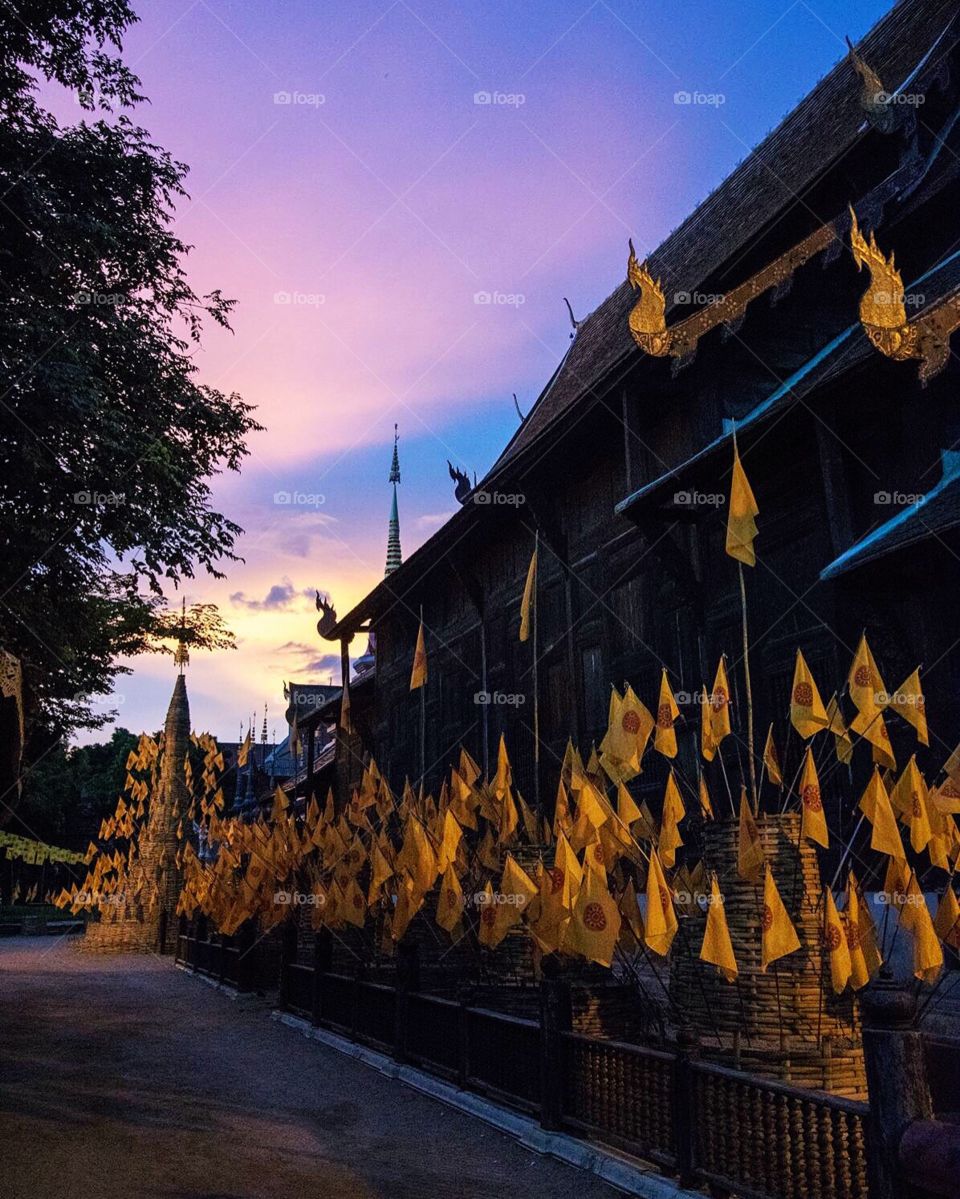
<point>353,192</point>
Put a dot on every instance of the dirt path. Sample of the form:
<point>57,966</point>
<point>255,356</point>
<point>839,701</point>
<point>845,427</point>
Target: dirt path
<point>123,1077</point>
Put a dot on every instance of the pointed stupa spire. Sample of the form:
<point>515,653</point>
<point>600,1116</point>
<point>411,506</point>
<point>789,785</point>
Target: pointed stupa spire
<point>394,554</point>
<point>181,656</point>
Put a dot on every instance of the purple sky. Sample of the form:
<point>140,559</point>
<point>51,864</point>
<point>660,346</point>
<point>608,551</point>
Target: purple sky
<point>354,197</point>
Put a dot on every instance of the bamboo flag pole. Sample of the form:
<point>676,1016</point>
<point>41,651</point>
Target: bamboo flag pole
<point>535,616</point>
<point>746,674</point>
<point>423,721</point>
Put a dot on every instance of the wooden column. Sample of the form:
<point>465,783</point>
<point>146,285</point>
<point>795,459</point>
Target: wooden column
<point>555,1018</point>
<point>896,1080</point>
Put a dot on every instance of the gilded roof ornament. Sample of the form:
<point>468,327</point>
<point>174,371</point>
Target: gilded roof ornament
<point>874,98</point>
<point>883,311</point>
<point>648,316</point>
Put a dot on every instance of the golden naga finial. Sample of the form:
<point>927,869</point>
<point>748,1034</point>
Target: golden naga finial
<point>883,311</point>
<point>181,655</point>
<point>648,322</point>
<point>881,305</point>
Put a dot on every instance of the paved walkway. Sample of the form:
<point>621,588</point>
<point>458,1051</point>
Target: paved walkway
<point>123,1077</point>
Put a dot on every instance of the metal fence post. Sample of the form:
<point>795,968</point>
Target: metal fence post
<point>688,1049</point>
<point>322,957</point>
<point>556,1017</point>
<point>408,981</point>
<point>896,1080</point>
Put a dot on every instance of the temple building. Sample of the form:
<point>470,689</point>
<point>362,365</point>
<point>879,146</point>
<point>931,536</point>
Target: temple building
<point>753,318</point>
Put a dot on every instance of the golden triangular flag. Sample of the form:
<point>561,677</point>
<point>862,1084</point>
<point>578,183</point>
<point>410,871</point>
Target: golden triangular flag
<point>665,738</point>
<point>807,713</point>
<point>875,805</point>
<point>717,948</point>
<point>528,603</point>
<point>660,926</point>
<point>741,526</point>
<point>771,759</point>
<point>908,701</point>
<point>778,936</point>
<point>813,822</point>
<point>595,923</point>
<point>673,812</point>
<point>836,945</point>
<point>750,857</point>
<point>418,674</point>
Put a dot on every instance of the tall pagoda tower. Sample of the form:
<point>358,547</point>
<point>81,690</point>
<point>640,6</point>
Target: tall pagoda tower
<point>394,554</point>
<point>142,918</point>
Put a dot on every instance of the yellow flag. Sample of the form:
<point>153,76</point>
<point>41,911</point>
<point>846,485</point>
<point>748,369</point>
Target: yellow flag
<point>864,682</point>
<point>562,820</point>
<point>807,712</point>
<point>842,739</point>
<point>595,923</point>
<point>630,911</point>
<point>813,822</point>
<point>910,798</point>
<point>778,936</point>
<point>708,747</point>
<point>835,944</point>
<point>741,526</point>
<point>528,602</point>
<point>629,727</point>
<point>915,917</point>
<point>452,836</point>
<point>717,948</point>
<point>504,775</point>
<point>354,908</point>
<point>450,901</point>
<point>418,675</point>
<point>875,805</point>
<point>750,857</point>
<point>243,753</point>
<point>947,921</point>
<point>706,807</point>
<point>859,944</point>
<point>665,738</point>
<point>673,812</point>
<point>908,702</point>
<point>627,809</point>
<point>517,889</point>
<point>771,759</point>
<point>661,922</point>
<point>720,705</point>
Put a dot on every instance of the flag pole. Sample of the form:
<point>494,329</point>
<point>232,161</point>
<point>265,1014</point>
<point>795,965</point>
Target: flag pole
<point>536,683</point>
<point>746,675</point>
<point>423,721</point>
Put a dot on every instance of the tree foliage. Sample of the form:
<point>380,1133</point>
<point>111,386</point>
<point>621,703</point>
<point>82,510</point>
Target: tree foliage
<point>108,442</point>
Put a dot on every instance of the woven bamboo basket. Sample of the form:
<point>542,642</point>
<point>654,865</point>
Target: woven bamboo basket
<point>780,1023</point>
